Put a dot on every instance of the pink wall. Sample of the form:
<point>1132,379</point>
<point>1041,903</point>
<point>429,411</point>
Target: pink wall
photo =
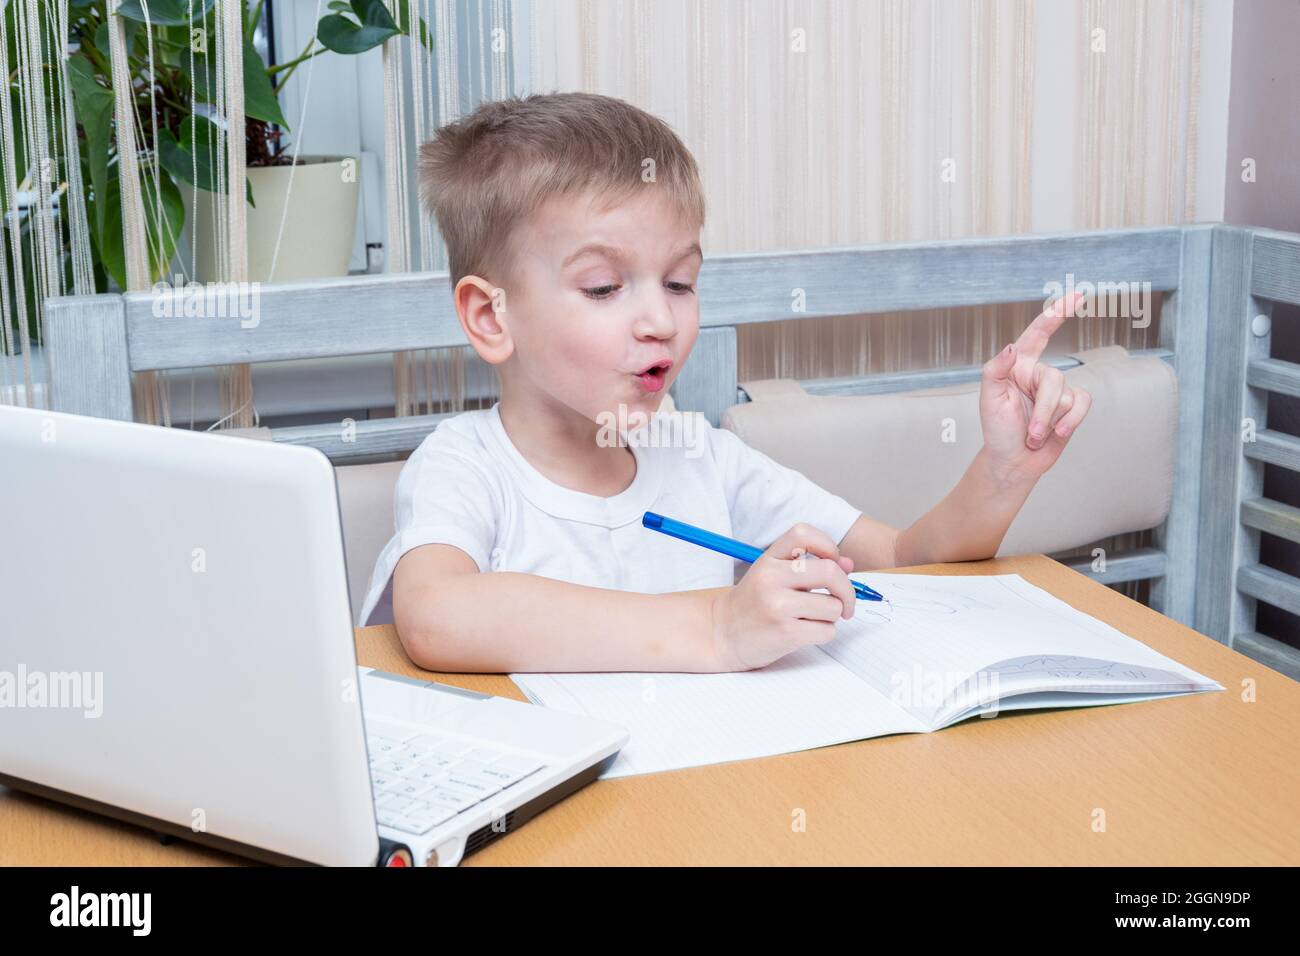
<point>1264,124</point>
<point>1264,115</point>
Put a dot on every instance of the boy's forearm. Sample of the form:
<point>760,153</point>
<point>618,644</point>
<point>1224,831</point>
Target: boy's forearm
<point>970,522</point>
<point>505,621</point>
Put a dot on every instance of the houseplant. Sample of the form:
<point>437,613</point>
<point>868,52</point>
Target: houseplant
<point>313,236</point>
<point>174,89</point>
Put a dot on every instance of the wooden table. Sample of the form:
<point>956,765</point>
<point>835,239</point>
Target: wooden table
<point>1207,779</point>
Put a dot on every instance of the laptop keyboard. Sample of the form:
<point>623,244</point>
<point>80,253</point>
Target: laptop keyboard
<point>422,780</point>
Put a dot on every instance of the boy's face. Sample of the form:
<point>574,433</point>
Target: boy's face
<point>597,296</point>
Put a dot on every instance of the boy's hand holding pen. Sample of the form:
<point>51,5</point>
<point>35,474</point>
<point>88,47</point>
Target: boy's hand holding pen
<point>775,609</point>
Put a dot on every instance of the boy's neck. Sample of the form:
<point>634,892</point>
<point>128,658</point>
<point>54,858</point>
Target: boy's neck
<point>562,445</point>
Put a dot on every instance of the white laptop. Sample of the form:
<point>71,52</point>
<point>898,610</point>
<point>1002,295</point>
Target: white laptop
<point>176,650</point>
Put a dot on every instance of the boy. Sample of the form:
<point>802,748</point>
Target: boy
<point>572,223</point>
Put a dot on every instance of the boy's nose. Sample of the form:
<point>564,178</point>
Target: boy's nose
<point>656,321</point>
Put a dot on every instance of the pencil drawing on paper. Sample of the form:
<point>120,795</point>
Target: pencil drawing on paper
<point>1090,668</point>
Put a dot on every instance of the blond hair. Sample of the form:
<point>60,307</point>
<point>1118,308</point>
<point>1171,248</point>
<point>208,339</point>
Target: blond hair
<point>484,174</point>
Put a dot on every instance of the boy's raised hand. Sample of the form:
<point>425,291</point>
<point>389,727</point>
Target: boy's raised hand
<point>774,609</point>
<point>1027,411</point>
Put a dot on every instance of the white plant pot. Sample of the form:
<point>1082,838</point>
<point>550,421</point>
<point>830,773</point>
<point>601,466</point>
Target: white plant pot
<point>319,230</point>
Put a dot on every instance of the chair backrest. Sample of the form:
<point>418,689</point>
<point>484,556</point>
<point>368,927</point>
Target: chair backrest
<point>1253,270</point>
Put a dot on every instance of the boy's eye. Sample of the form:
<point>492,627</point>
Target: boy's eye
<point>605,291</point>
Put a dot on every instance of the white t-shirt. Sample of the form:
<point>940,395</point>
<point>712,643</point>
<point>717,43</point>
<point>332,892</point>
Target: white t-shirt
<point>468,486</point>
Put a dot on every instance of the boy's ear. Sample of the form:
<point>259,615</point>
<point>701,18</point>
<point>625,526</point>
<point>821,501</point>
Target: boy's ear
<point>481,308</point>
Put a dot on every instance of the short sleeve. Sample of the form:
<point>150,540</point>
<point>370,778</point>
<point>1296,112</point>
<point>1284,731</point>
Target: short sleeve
<point>444,495</point>
<point>766,498</point>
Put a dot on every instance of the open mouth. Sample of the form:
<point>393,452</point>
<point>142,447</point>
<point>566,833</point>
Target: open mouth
<point>652,377</point>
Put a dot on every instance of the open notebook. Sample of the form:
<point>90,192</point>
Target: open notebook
<point>936,651</point>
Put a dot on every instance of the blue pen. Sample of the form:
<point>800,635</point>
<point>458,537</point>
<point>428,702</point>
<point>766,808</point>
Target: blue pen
<point>728,546</point>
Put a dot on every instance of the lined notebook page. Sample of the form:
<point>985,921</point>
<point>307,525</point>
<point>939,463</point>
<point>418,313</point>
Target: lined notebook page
<point>896,667</point>
<point>933,634</point>
<point>802,701</point>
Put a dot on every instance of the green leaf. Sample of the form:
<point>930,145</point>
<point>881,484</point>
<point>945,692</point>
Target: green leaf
<point>340,6</point>
<point>195,151</point>
<point>14,89</point>
<point>20,150</point>
<point>251,20</point>
<point>130,28</point>
<point>260,101</point>
<point>202,78</point>
<point>162,235</point>
<point>343,35</point>
<point>404,17</point>
<point>169,13</point>
<point>94,110</point>
<point>11,34</point>
<point>172,45</point>
<point>259,94</point>
<point>108,240</point>
<point>373,13</point>
<point>184,165</point>
<point>165,234</point>
<point>22,239</point>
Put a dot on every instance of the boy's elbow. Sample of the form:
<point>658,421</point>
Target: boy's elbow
<point>420,644</point>
<point>428,645</point>
<point>435,649</point>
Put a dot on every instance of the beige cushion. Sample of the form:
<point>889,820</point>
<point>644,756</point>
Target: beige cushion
<point>885,453</point>
<point>258,432</point>
<point>366,510</point>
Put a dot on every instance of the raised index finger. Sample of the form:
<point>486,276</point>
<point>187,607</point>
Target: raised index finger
<point>1033,340</point>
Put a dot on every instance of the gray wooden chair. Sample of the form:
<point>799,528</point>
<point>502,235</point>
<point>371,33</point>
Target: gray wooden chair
<point>1219,284</point>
